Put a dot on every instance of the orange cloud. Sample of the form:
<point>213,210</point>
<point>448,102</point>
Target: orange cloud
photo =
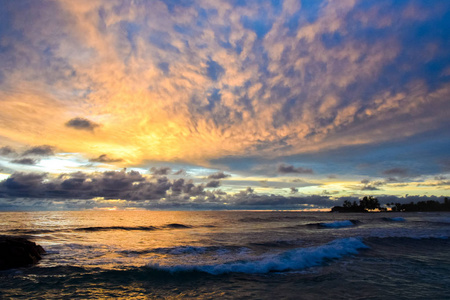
<point>142,73</point>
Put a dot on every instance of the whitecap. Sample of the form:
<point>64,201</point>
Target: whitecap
<point>296,259</point>
<point>338,224</point>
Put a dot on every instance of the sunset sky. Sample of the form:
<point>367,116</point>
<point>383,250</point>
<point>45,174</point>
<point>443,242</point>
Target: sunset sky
<point>215,104</point>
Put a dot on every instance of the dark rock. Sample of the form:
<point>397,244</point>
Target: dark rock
<point>16,252</point>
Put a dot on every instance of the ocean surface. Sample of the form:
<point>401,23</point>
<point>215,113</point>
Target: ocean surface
<point>231,255</point>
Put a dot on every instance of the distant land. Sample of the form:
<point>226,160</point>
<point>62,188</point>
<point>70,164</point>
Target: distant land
<point>370,203</point>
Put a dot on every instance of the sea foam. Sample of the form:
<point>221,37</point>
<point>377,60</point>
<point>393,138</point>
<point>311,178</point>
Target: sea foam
<point>296,259</point>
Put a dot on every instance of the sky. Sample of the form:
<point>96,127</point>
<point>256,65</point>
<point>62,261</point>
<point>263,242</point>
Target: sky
<point>184,105</point>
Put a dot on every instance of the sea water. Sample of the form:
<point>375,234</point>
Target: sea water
<point>231,255</point>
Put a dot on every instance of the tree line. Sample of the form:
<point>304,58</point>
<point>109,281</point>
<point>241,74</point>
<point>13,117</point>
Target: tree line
<point>369,203</point>
<point>429,205</point>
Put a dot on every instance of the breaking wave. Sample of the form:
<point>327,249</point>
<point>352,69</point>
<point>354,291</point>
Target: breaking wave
<point>296,259</point>
<point>339,224</point>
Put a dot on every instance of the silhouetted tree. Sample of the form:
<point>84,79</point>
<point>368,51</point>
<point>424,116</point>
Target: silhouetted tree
<point>429,205</point>
<point>347,204</point>
<point>369,203</point>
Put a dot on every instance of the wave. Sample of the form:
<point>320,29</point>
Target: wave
<point>267,219</point>
<point>296,259</point>
<point>279,243</point>
<point>101,228</point>
<point>107,228</point>
<point>191,250</point>
<point>177,226</point>
<point>395,219</point>
<point>339,224</point>
<point>31,231</point>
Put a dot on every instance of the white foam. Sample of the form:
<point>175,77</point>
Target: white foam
<point>338,224</point>
<point>296,259</point>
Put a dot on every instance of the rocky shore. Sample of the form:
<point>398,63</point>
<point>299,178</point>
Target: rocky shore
<point>16,252</point>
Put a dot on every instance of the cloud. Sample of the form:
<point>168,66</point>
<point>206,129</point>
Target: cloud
<point>132,189</point>
<point>104,158</point>
<point>7,151</point>
<point>25,161</point>
<point>218,175</point>
<point>109,185</point>
<point>22,185</point>
<point>81,124</point>
<point>255,200</point>
<point>291,79</point>
<point>402,172</point>
<point>161,171</point>
<point>44,150</point>
<point>285,169</point>
<point>180,172</point>
<point>208,80</point>
<point>369,188</point>
<point>213,184</point>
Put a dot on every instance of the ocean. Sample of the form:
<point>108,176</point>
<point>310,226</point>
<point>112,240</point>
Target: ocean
<point>231,255</point>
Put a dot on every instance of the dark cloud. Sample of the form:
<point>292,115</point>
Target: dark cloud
<point>294,190</point>
<point>25,161</point>
<point>131,186</point>
<point>213,184</point>
<point>218,175</point>
<point>104,158</point>
<point>298,180</point>
<point>367,185</point>
<point>391,180</point>
<point>443,183</point>
<point>79,190</point>
<point>369,188</point>
<point>44,150</point>
<point>7,151</point>
<point>283,168</point>
<point>180,172</point>
<point>256,200</point>
<point>81,124</point>
<point>401,172</point>
<point>326,192</point>
<point>161,171</point>
<point>23,185</point>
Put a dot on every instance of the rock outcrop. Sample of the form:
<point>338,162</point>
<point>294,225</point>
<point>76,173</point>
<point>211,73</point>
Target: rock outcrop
<point>16,252</point>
